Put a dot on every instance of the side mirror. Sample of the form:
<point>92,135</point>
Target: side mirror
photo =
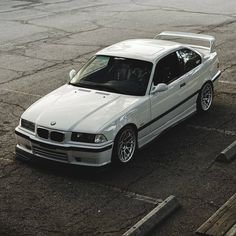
<point>159,88</point>
<point>72,74</point>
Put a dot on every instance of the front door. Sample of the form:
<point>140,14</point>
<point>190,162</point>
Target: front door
<point>164,105</point>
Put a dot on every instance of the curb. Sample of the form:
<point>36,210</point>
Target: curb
<point>154,217</point>
<point>228,154</point>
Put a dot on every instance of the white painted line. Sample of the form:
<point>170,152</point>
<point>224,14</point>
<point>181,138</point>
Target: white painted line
<point>143,198</point>
<point>20,92</point>
<point>228,154</point>
<point>222,131</point>
<point>154,217</point>
<point>133,195</point>
<point>227,82</point>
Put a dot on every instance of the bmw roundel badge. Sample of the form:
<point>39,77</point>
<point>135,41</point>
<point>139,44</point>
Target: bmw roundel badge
<point>53,122</point>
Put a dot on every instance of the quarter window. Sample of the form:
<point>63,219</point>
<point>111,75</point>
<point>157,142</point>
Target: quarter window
<point>189,59</point>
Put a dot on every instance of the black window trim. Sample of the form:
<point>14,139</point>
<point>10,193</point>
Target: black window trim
<point>194,50</point>
<point>159,59</point>
<point>168,53</point>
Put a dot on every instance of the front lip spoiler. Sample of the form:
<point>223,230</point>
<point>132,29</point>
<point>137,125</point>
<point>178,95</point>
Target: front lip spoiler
<point>29,157</point>
<point>53,146</point>
<point>26,156</point>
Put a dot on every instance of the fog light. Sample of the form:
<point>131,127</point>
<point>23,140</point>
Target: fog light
<point>24,143</point>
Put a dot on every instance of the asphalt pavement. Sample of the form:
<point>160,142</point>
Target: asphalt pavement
<point>40,42</point>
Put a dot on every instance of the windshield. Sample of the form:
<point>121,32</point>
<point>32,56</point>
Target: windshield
<point>115,74</point>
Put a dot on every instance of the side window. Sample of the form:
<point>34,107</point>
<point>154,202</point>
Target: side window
<point>167,69</point>
<point>189,58</point>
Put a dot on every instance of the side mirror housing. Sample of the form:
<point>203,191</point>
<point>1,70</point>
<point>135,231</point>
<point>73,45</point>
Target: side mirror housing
<point>159,88</point>
<point>72,74</point>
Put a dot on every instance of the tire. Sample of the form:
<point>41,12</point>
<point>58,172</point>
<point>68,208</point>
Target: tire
<point>125,146</point>
<point>205,98</point>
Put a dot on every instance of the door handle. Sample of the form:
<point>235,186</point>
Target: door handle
<point>182,85</point>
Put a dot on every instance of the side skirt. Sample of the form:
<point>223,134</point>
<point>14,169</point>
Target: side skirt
<point>150,137</point>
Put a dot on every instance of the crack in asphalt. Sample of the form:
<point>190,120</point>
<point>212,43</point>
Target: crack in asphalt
<point>11,70</point>
<point>126,225</point>
<point>220,25</point>
<point>67,33</point>
<point>99,26</point>
<point>20,92</point>
<point>26,22</point>
<point>232,40</point>
<point>91,7</point>
<point>167,8</point>
<point>75,10</point>
<point>125,191</point>
<point>13,104</point>
<point>228,67</point>
<point>120,191</point>
<point>26,74</point>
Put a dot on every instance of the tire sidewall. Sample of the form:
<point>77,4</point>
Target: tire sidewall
<point>199,102</point>
<point>115,157</point>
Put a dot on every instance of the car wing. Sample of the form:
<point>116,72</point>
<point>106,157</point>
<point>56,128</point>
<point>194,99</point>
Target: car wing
<point>171,35</point>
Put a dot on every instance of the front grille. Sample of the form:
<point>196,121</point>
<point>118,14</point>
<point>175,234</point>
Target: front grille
<point>43,133</point>
<point>28,125</point>
<point>53,135</point>
<point>57,136</point>
<point>55,155</point>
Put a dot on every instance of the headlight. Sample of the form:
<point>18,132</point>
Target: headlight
<point>28,125</point>
<point>88,138</point>
<point>100,138</point>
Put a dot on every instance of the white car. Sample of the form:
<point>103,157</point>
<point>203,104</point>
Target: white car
<point>124,97</point>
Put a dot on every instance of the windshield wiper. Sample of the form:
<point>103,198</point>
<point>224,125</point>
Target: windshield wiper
<point>107,88</point>
<point>102,87</point>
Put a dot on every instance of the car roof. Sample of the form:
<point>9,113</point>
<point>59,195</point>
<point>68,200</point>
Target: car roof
<point>141,49</point>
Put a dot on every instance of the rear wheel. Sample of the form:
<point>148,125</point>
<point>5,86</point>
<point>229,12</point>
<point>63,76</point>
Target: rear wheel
<point>125,146</point>
<point>205,97</point>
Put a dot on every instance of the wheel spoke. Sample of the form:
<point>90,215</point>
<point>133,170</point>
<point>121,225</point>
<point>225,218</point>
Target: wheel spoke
<point>126,145</point>
<point>206,97</point>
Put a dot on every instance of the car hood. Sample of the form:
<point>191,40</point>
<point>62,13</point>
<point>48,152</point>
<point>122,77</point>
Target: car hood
<point>78,109</point>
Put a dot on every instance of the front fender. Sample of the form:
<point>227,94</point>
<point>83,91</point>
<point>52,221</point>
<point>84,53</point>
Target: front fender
<point>138,114</point>
<point>111,130</point>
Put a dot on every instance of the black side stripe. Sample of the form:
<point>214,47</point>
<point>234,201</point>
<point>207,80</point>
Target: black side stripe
<point>53,146</point>
<point>168,111</point>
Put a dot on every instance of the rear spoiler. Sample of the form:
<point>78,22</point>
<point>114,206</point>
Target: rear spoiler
<point>170,35</point>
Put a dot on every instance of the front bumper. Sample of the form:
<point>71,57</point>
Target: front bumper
<point>29,146</point>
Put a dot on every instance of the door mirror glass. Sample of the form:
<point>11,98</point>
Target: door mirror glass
<point>72,74</point>
<point>159,88</point>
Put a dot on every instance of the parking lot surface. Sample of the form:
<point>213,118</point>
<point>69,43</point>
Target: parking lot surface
<point>40,42</point>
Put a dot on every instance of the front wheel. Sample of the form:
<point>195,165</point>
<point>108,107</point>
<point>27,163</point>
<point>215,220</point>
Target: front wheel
<point>205,98</point>
<point>125,146</point>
